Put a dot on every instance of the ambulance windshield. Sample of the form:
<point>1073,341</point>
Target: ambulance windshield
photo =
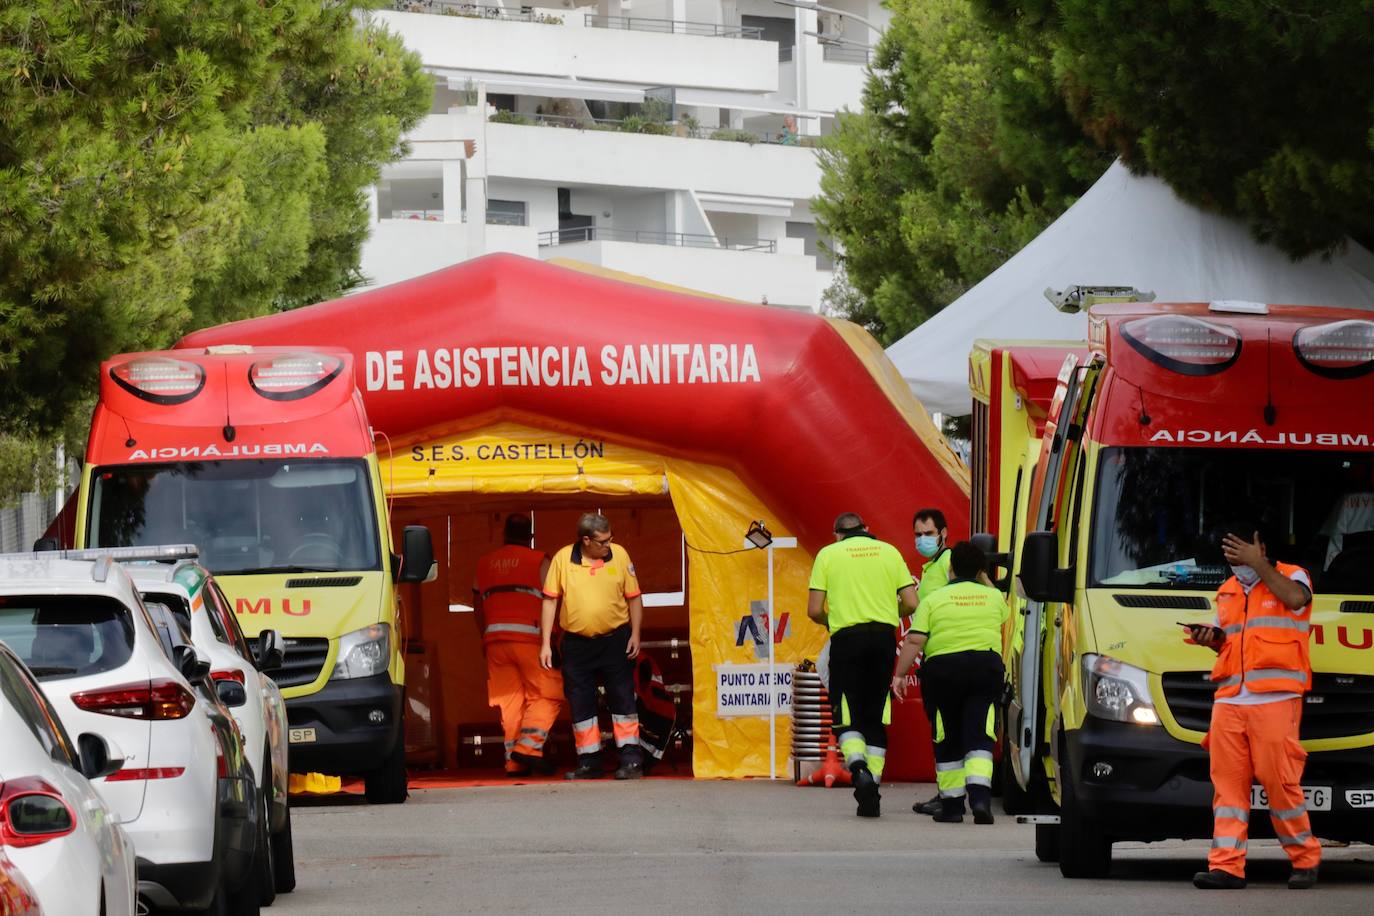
<point>1159,513</point>
<point>246,516</point>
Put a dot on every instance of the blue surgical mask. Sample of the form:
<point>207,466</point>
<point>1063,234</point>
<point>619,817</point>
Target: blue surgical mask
<point>1246,575</point>
<point>927,545</point>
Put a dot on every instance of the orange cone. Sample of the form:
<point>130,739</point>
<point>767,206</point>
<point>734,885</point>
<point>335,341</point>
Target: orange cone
<point>831,771</point>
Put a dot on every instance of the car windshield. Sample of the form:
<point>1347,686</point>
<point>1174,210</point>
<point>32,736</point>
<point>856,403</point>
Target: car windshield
<point>61,636</point>
<point>1159,514</point>
<point>245,516</point>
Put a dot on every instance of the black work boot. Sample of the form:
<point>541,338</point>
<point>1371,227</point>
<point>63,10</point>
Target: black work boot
<point>587,769</point>
<point>865,791</point>
<point>951,811</point>
<point>1302,879</point>
<point>980,801</point>
<point>929,806</point>
<point>538,766</point>
<point>1217,880</point>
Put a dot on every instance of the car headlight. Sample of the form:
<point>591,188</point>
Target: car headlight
<point>364,652</point>
<point>1117,691</point>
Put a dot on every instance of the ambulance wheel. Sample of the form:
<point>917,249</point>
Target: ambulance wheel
<point>1084,850</point>
<point>1047,842</point>
<point>386,785</point>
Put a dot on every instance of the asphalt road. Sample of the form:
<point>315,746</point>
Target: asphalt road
<point>746,847</point>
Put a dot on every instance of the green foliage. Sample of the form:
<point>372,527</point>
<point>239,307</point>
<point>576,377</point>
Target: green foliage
<point>960,155</point>
<point>737,136</point>
<point>1256,109</point>
<point>501,116</point>
<point>172,163</point>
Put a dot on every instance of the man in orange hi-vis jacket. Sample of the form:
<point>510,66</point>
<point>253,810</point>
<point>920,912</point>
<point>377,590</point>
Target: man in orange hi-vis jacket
<point>1262,671</point>
<point>508,597</point>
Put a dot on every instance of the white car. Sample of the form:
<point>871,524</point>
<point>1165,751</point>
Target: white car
<point>183,795</point>
<point>190,592</point>
<point>53,824</point>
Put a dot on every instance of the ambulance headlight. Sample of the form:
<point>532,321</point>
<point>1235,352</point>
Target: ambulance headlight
<point>1117,691</point>
<point>1183,344</point>
<point>1341,349</point>
<point>364,652</point>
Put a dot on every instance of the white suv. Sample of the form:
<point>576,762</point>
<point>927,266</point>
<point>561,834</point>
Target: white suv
<point>81,628</point>
<point>190,592</point>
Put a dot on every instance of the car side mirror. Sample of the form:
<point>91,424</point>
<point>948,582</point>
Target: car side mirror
<point>271,650</point>
<point>97,761</point>
<point>999,562</point>
<point>192,665</point>
<point>1041,576</point>
<point>43,545</point>
<point>417,556</point>
<point>231,693</point>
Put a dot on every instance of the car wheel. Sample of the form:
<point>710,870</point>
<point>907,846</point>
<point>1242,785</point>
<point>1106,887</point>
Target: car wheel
<point>386,785</point>
<point>284,856</point>
<point>263,880</point>
<point>1085,851</point>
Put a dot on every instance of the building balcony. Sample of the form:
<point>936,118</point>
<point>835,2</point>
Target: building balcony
<point>647,161</point>
<point>780,275</point>
<point>514,47</point>
<point>557,237</point>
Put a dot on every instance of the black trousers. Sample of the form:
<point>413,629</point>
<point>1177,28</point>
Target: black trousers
<point>861,661</point>
<point>587,660</point>
<point>963,688</point>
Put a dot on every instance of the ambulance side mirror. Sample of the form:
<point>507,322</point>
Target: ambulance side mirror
<point>999,562</point>
<point>1041,576</point>
<point>417,556</point>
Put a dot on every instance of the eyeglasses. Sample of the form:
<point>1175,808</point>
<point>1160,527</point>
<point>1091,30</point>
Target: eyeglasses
<point>602,541</point>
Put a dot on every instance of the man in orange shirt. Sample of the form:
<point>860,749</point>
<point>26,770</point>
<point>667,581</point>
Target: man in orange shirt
<point>1262,670</point>
<point>507,601</point>
<point>601,616</point>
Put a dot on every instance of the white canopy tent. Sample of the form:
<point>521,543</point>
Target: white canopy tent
<point>1125,231</point>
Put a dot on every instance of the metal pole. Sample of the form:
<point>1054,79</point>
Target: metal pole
<point>772,687</point>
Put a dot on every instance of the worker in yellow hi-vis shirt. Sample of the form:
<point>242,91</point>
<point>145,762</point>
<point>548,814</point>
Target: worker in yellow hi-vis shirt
<point>960,629</point>
<point>859,587</point>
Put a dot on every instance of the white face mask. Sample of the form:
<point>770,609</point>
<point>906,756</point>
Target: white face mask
<point>1246,575</point>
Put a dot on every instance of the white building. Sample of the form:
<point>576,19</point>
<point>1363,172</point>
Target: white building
<point>673,139</point>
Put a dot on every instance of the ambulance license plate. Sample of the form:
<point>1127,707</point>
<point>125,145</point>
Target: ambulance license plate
<point>1318,797</point>
<point>300,735</point>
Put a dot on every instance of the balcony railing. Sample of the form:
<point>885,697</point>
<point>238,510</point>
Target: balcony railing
<point>648,237</point>
<point>432,216</point>
<point>638,125</point>
<point>505,218</point>
<point>846,55</point>
<point>673,26</point>
<point>469,10</point>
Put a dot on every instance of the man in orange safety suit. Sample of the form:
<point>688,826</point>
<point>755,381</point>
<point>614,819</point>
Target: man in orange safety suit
<point>1262,671</point>
<point>507,599</point>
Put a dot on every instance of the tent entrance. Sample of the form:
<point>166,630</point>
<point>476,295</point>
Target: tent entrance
<point>449,724</point>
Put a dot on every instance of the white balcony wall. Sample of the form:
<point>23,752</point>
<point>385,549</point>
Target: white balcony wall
<point>541,201</point>
<point>403,248</point>
<point>521,240</point>
<point>614,159</point>
<point>832,85</point>
<point>785,279</point>
<point>573,50</point>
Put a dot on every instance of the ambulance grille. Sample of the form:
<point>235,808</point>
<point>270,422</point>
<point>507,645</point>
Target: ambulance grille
<point>324,582</point>
<point>1170,602</point>
<point>303,661</point>
<point>1357,607</point>
<point>1338,706</point>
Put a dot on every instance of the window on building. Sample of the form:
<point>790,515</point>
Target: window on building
<point>811,243</point>
<point>507,213</point>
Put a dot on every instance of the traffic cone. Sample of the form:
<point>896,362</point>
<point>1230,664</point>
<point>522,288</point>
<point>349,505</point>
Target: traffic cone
<point>831,770</point>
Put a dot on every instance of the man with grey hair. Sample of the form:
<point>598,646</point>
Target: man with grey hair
<point>600,618</point>
<point>859,587</point>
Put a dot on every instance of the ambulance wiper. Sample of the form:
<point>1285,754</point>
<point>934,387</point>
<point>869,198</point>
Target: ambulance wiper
<point>279,569</point>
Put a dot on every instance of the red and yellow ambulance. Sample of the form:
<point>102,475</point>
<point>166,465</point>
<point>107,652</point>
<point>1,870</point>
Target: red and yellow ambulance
<point>1170,421</point>
<point>264,459</point>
